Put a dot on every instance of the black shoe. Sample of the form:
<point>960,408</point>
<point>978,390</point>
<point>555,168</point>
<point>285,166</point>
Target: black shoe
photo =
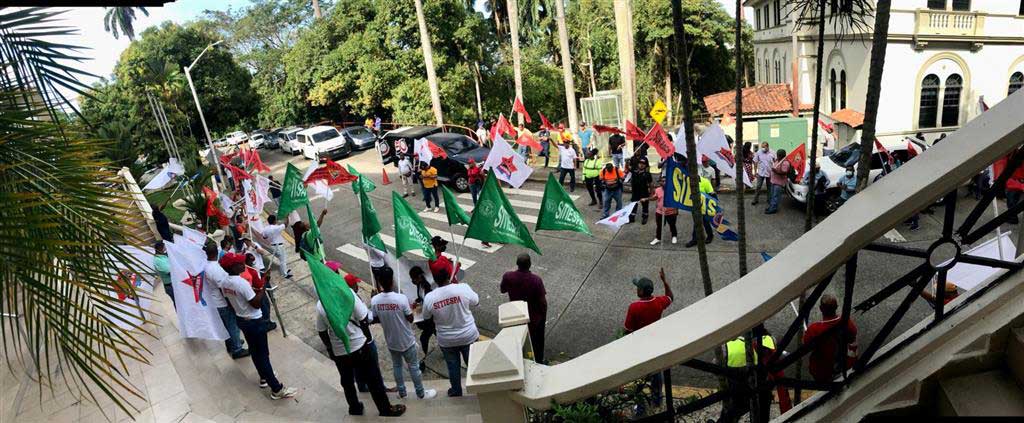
<point>453,393</point>
<point>710,238</point>
<point>915,227</point>
<point>271,326</point>
<point>754,203</point>
<point>356,411</point>
<point>643,220</point>
<point>691,243</point>
<point>244,352</point>
<point>364,389</point>
<point>770,211</point>
<point>395,411</point>
<point>592,203</point>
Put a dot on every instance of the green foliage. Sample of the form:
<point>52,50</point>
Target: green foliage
<point>578,412</point>
<point>121,19</point>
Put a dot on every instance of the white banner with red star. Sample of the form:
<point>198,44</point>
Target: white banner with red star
<point>196,317</point>
<point>506,164</point>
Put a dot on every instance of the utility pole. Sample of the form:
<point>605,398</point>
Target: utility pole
<point>195,96</point>
<point>428,62</point>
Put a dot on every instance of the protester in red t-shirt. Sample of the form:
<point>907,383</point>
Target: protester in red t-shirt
<point>822,363</point>
<point>648,308</point>
<point>442,262</point>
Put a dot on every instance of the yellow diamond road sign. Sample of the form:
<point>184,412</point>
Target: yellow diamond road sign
<point>659,111</point>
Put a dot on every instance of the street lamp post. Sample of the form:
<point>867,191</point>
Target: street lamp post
<point>192,86</point>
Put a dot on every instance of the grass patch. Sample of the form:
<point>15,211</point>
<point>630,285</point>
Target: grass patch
<point>159,197</point>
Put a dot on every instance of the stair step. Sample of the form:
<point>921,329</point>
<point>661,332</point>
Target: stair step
<point>1015,354</point>
<point>992,393</point>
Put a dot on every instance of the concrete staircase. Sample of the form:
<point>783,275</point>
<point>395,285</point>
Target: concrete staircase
<point>996,392</point>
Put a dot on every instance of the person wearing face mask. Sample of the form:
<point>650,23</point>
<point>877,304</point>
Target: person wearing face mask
<point>779,178</point>
<point>820,185</point>
<point>848,184</point>
<point>763,162</point>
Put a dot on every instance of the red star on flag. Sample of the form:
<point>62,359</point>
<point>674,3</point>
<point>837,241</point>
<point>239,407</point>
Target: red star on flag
<point>508,165</point>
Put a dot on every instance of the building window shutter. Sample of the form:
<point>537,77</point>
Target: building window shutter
<point>929,108</point>
<point>1016,83</point>
<point>951,101</point>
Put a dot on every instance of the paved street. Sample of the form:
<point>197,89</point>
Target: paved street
<point>588,278</point>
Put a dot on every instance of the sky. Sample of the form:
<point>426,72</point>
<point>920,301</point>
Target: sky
<point>105,50</point>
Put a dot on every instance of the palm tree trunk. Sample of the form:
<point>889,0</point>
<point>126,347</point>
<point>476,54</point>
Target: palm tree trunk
<point>818,72</point>
<point>667,75</point>
<point>570,85</point>
<point>517,69</point>
<point>691,153</point>
<point>428,62</point>
<point>476,84</point>
<point>879,41</point>
<point>624,37</point>
<point>590,66</point>
<point>316,9</point>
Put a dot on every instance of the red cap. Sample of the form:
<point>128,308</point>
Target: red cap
<point>231,259</point>
<point>352,280</point>
<point>333,265</point>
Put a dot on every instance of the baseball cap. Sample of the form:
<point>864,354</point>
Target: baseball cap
<point>436,240</point>
<point>333,265</point>
<point>644,283</point>
<point>352,280</point>
<point>231,259</point>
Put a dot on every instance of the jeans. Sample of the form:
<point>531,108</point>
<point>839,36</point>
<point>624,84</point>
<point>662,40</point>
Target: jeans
<point>593,188</point>
<point>170,292</point>
<point>474,190</point>
<point>761,180</point>
<point>572,178</point>
<point>609,195</point>
<point>773,200</point>
<point>282,258</point>
<point>617,160</point>
<point>234,341</point>
<point>671,219</point>
<point>451,358</point>
<point>361,364</point>
<point>544,151</point>
<point>412,362</point>
<point>429,193</point>
<point>255,332</point>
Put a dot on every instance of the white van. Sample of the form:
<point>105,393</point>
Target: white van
<point>290,141</point>
<point>323,141</point>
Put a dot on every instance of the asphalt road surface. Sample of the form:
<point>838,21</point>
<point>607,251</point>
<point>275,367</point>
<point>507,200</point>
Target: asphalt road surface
<point>588,279</point>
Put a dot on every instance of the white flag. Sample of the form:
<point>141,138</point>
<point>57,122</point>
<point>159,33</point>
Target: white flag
<point>171,170</point>
<point>193,236</point>
<point>261,184</point>
<point>680,141</point>
<point>127,311</point>
<point>253,207</point>
<point>321,188</point>
<point>421,148</point>
<point>714,145</point>
<point>506,164</point>
<point>225,205</point>
<point>196,318</point>
<point>313,165</point>
<point>619,218</point>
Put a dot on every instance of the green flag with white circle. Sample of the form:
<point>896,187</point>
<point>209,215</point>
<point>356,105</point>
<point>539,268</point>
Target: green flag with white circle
<point>293,192</point>
<point>494,219</point>
<point>410,234</point>
<point>557,211</point>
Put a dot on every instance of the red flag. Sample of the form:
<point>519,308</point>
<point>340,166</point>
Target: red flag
<point>658,139</point>
<point>796,158</point>
<point>252,158</point>
<point>633,132</point>
<point>387,180</point>
<point>911,150</point>
<point>331,172</point>
<point>212,210</point>
<point>528,141</point>
<point>824,125</point>
<point>236,173</point>
<point>504,127</point>
<point>544,122</point>
<point>226,158</point>
<point>881,149</point>
<point>604,129</point>
<point>436,151</point>
<point>518,107</point>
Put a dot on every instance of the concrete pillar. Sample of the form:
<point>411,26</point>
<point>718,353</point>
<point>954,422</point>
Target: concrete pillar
<point>497,407</point>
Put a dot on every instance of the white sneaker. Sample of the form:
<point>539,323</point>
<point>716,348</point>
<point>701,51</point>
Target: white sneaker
<point>428,394</point>
<point>436,209</point>
<point>283,393</point>
<point>426,209</point>
<point>674,240</point>
<point>656,241</point>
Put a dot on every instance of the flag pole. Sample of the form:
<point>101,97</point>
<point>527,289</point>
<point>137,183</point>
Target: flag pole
<point>999,232</point>
<point>458,256</point>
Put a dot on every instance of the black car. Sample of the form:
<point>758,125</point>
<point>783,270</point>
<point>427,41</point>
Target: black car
<point>399,142</point>
<point>460,148</point>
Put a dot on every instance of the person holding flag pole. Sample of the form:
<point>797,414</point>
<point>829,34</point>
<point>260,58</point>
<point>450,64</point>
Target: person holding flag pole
<point>456,216</point>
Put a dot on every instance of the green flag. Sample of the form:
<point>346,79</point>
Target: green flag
<point>410,234</point>
<point>336,297</point>
<point>456,215</point>
<point>293,192</point>
<point>494,220</point>
<point>371,226</point>
<point>312,236</point>
<point>362,183</point>
<point>557,211</point>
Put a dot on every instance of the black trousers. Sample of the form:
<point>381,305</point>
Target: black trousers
<point>427,329</point>
<point>537,339</point>
<point>641,206</point>
<point>594,189</point>
<point>707,231</point>
<point>360,364</point>
<point>572,178</point>
<point>671,219</point>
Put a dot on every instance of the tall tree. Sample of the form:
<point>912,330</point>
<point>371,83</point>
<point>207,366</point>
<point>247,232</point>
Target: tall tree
<point>122,19</point>
<point>879,43</point>
<point>563,44</point>
<point>627,67</point>
<point>428,62</point>
<point>517,66</point>
<point>819,70</point>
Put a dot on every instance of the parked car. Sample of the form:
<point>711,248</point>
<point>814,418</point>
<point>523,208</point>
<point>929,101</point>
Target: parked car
<point>289,140</point>
<point>272,139</point>
<point>256,141</point>
<point>834,166</point>
<point>460,148</point>
<point>399,142</point>
<point>237,137</point>
<point>359,137</point>
<point>323,141</point>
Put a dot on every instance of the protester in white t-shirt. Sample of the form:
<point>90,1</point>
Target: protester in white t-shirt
<point>356,361</point>
<point>246,302</point>
<point>567,164</point>
<point>274,233</point>
<point>449,306</point>
<point>394,314</point>
<point>213,276</point>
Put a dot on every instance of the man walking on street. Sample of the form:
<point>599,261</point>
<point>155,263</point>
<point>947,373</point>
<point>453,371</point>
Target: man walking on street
<point>611,178</point>
<point>273,233</point>
<point>428,177</point>
<point>394,314</point>
<point>779,178</point>
<point>567,164</point>
<point>763,162</point>
<point>215,276</point>
<point>449,306</point>
<point>521,285</point>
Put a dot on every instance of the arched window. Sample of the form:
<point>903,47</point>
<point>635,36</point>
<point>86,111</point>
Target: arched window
<point>929,109</point>
<point>767,72</point>
<point>1016,82</point>
<point>951,100</point>
<point>832,89</point>
<point>842,89</point>
<point>778,72</point>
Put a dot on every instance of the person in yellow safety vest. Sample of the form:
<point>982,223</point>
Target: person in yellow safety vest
<point>736,350</point>
<point>736,357</point>
<point>592,176</point>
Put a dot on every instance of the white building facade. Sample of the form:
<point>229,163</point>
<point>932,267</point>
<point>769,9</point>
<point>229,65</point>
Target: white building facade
<point>942,57</point>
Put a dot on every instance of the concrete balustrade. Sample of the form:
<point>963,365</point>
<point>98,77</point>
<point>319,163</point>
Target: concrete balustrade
<point>497,366</point>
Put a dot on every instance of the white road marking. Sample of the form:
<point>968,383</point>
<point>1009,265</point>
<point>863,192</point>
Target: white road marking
<point>354,251</point>
<point>894,236</point>
<point>525,192</point>
<point>441,217</point>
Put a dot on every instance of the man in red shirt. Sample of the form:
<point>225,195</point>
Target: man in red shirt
<point>522,285</point>
<point>648,308</point>
<point>442,262</point>
<point>822,363</point>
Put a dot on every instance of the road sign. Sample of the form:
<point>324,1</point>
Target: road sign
<point>659,111</point>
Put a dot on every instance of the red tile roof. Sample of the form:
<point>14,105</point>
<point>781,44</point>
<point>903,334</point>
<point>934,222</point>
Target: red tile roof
<point>759,99</point>
<point>849,117</point>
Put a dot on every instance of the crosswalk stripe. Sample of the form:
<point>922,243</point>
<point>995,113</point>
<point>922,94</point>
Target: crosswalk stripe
<point>441,217</point>
<point>390,241</point>
<point>525,192</point>
<point>354,251</point>
<point>518,203</point>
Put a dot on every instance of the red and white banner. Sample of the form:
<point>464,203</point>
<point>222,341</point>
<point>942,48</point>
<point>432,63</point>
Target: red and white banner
<point>506,164</point>
<point>619,218</point>
<point>658,139</point>
<point>196,318</point>
<point>715,146</point>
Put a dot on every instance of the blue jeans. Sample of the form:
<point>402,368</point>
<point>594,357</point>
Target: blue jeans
<point>774,198</point>
<point>255,332</point>
<point>610,194</point>
<point>234,341</point>
<point>617,160</point>
<point>170,292</point>
<point>412,362</point>
<point>474,189</point>
<point>451,358</point>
